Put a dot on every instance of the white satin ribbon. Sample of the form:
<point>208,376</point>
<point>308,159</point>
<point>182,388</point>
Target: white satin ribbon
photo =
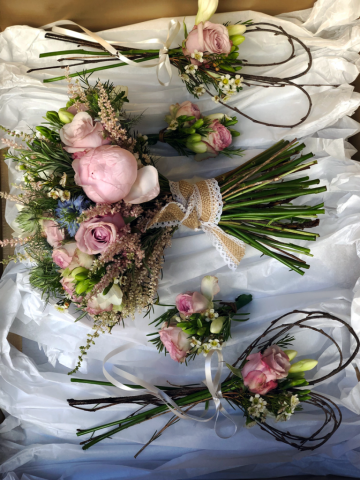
<point>214,386</point>
<point>163,62</point>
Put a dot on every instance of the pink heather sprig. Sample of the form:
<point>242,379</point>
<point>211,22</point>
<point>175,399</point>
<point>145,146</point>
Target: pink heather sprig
<point>26,137</point>
<point>109,118</point>
<point>14,241</point>
<point>12,198</point>
<point>100,209</point>
<point>75,91</point>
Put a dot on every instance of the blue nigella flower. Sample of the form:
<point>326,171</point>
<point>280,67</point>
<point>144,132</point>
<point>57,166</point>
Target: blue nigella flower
<point>68,212</point>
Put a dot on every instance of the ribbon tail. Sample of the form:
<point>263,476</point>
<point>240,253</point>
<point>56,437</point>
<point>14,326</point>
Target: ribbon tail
<point>230,248</point>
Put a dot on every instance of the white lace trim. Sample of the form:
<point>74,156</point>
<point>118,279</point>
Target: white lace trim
<point>231,262</point>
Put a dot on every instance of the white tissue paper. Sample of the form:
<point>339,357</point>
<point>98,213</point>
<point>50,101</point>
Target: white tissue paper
<point>38,436</point>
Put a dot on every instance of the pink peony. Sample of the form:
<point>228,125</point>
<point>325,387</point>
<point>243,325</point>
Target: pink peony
<point>63,256</point>
<point>106,173</point>
<point>185,108</point>
<point>95,235</point>
<point>175,341</point>
<point>109,174</point>
<point>82,133</point>
<point>54,235</point>
<point>207,37</point>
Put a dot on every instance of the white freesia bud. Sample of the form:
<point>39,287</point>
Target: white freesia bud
<point>217,325</point>
<point>206,9</point>
<point>303,365</point>
<point>199,147</point>
<point>291,354</point>
<point>65,116</point>
<point>236,29</point>
<point>113,297</point>
<point>120,88</point>
<point>215,116</point>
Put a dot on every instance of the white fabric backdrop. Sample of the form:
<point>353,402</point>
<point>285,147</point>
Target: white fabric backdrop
<point>38,436</point>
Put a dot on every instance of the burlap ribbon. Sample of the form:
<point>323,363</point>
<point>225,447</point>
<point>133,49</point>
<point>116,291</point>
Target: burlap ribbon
<point>199,206</point>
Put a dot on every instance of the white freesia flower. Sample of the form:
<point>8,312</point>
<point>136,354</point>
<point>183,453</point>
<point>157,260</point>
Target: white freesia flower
<point>113,297</point>
<point>206,9</point>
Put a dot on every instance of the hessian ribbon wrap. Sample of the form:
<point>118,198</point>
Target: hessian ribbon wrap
<point>199,207</point>
<point>162,63</point>
<point>213,385</point>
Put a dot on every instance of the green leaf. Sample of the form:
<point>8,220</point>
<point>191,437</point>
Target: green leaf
<point>243,300</point>
<point>235,371</point>
<point>199,323</point>
<point>107,289</point>
<point>185,29</point>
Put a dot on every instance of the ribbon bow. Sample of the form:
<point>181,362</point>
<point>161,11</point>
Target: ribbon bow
<point>199,207</point>
<point>164,59</point>
<point>213,385</point>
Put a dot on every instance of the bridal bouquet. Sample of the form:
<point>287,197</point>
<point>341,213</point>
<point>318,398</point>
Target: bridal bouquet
<point>264,383</point>
<point>95,215</point>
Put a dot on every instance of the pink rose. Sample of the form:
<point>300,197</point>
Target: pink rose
<point>175,341</point>
<point>69,287</point>
<point>54,235</point>
<point>109,174</point>
<point>196,302</point>
<point>95,235</point>
<point>219,138</point>
<point>257,382</point>
<point>82,107</point>
<point>207,37</point>
<point>191,302</point>
<point>82,133</point>
<point>277,361</point>
<point>261,371</point>
<point>186,108</point>
<point>93,307</point>
<point>62,256</point>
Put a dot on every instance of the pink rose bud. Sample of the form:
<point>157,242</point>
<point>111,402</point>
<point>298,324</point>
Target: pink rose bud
<point>215,141</point>
<point>191,302</point>
<point>175,341</point>
<point>54,235</point>
<point>185,108</point>
<point>207,37</point>
<point>63,256</point>
<point>95,235</point>
<point>82,133</point>
<point>257,375</point>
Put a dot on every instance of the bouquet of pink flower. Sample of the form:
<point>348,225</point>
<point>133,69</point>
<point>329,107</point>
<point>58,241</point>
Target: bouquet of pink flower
<point>189,132</point>
<point>89,191</point>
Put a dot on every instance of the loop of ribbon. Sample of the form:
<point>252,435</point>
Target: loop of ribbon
<point>199,207</point>
<point>162,63</point>
<point>213,385</point>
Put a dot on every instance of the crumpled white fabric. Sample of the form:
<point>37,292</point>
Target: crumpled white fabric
<point>38,437</point>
